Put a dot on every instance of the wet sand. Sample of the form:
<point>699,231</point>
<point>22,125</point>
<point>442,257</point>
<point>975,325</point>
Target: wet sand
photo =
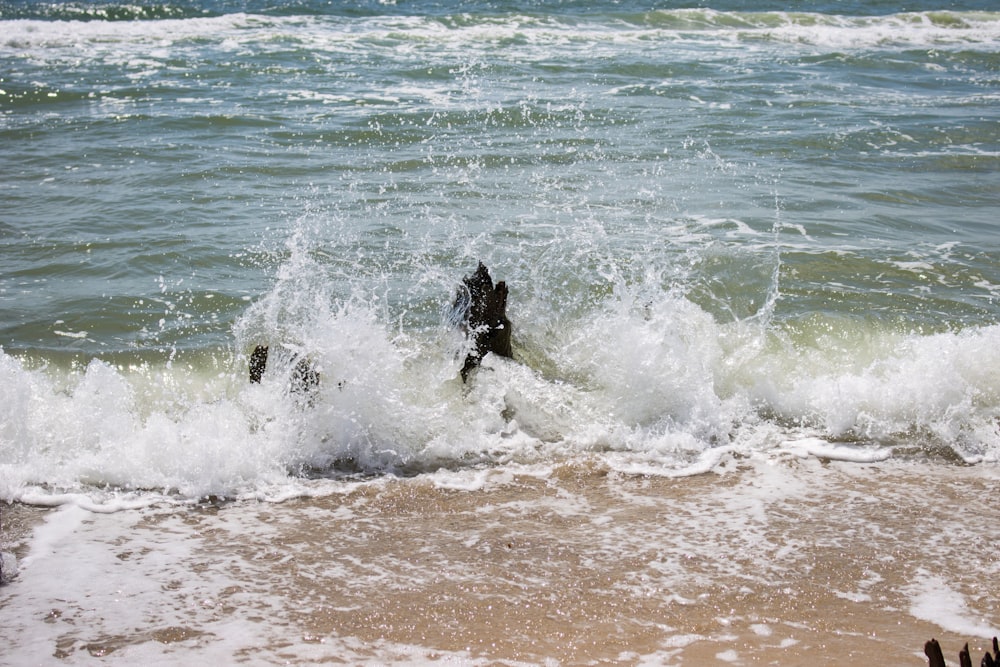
<point>785,562</point>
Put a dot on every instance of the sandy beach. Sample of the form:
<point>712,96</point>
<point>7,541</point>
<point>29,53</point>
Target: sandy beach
<point>797,562</point>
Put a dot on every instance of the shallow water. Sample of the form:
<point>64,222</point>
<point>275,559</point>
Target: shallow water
<point>776,562</point>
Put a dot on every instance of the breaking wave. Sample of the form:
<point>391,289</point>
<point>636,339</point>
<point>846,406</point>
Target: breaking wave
<point>644,381</point>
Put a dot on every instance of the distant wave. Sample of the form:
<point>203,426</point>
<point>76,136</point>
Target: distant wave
<point>74,23</point>
<point>108,11</point>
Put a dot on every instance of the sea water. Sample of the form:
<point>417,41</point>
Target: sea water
<point>742,243</point>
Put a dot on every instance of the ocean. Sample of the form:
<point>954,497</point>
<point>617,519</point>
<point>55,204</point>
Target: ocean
<point>753,260</point>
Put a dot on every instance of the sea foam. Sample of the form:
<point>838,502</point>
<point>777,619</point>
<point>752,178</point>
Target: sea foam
<point>647,385</point>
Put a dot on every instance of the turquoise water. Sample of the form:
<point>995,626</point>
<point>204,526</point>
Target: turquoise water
<point>724,230</point>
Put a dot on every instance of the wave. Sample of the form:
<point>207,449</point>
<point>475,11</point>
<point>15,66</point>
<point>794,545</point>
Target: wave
<point>75,24</point>
<point>99,11</point>
<point>669,367</point>
<point>640,384</point>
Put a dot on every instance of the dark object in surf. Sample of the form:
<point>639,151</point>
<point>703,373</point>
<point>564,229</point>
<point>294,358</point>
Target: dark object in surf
<point>258,362</point>
<point>933,652</point>
<point>935,658</point>
<point>480,308</point>
<point>303,380</point>
<point>8,567</point>
<point>8,563</point>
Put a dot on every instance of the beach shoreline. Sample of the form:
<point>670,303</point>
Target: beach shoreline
<point>788,562</point>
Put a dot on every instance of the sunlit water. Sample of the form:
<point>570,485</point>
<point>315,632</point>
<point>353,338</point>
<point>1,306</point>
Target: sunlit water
<point>736,242</point>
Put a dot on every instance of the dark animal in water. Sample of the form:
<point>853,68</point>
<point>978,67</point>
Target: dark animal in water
<point>304,378</point>
<point>480,308</point>
<point>936,659</point>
